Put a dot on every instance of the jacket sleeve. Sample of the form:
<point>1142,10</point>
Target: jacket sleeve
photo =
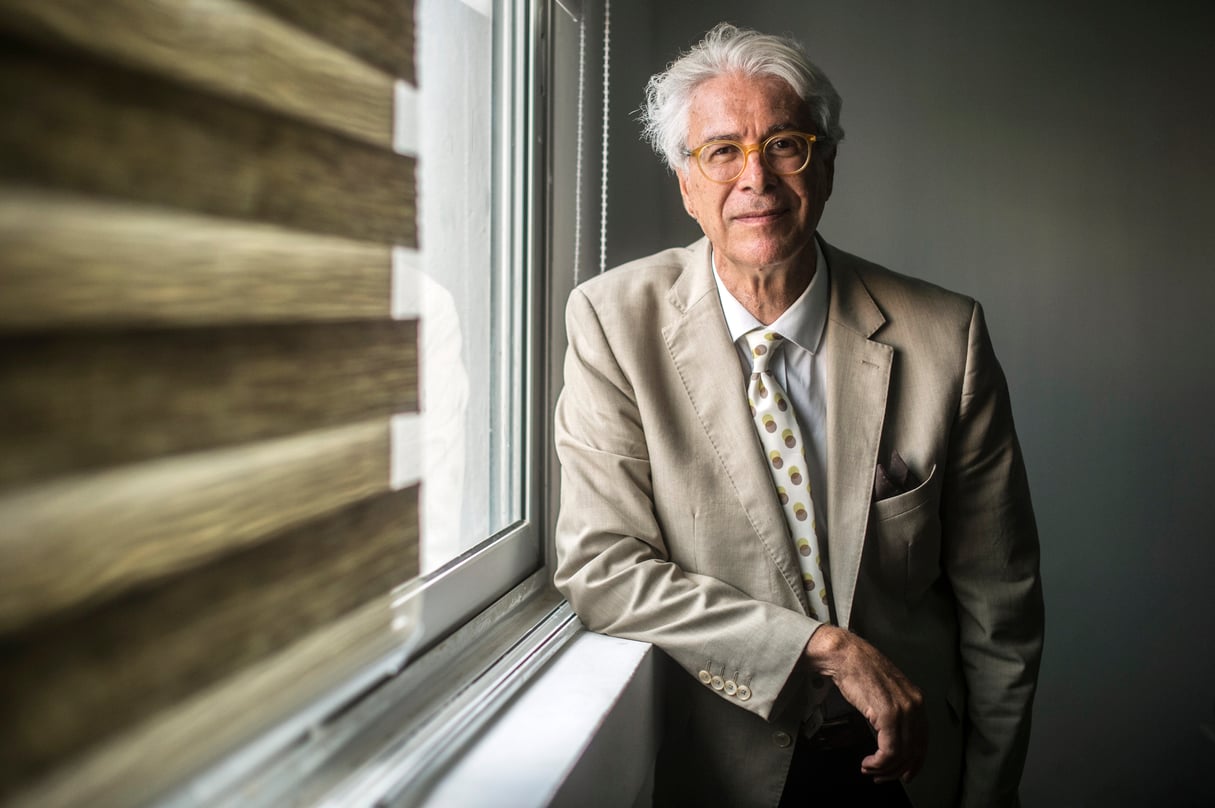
<point>991,555</point>
<point>612,559</point>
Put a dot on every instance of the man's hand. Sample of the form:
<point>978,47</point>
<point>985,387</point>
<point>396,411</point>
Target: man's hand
<point>870,682</point>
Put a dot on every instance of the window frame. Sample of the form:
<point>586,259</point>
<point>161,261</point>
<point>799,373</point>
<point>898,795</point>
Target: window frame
<point>467,585</point>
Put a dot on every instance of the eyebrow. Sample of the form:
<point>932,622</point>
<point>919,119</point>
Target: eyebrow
<point>784,126</point>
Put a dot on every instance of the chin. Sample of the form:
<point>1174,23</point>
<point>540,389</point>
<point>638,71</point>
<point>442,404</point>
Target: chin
<point>769,254</point>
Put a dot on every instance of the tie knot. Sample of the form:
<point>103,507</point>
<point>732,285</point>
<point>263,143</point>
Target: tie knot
<point>763,343</point>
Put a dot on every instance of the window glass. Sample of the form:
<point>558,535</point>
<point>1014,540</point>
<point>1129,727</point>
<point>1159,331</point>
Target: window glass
<point>469,360</point>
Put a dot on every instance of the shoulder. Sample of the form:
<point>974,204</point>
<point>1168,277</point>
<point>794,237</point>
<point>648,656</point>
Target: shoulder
<point>652,275</point>
<point>895,292</point>
<point>907,307</point>
<point>643,294</point>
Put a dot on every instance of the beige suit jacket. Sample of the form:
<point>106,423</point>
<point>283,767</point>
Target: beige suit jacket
<point>670,530</point>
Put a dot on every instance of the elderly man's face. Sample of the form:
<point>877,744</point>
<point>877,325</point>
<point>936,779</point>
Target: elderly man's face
<point>761,219</point>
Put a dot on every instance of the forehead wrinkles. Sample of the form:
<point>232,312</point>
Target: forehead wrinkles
<point>734,107</point>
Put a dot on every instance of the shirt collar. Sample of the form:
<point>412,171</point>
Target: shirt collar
<point>802,323</point>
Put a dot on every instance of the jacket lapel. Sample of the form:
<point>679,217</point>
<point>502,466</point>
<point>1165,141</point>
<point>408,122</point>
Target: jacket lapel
<point>857,379</point>
<point>700,347</point>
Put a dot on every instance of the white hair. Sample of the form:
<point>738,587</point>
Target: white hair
<point>728,50</point>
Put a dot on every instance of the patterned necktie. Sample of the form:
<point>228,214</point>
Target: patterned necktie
<point>782,441</point>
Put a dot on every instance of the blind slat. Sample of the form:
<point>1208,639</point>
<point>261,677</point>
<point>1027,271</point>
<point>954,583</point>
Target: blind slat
<point>76,540</point>
<point>212,722</point>
<point>76,262</point>
<point>380,33</point>
<point>226,47</point>
<point>72,684</point>
<point>78,401</point>
<point>78,125</point>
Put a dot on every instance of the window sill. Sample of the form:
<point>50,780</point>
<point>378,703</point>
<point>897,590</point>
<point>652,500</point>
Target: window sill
<point>582,732</point>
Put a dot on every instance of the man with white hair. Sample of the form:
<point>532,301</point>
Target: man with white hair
<point>796,473</point>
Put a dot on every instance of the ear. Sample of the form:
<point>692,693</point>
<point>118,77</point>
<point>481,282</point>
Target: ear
<point>683,191</point>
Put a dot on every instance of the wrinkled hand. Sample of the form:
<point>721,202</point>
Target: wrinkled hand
<point>893,706</point>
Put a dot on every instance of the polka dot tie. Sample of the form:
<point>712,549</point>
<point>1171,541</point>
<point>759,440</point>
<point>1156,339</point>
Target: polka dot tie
<point>782,441</point>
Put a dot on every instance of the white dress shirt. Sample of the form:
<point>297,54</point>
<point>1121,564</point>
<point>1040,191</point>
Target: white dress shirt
<point>798,367</point>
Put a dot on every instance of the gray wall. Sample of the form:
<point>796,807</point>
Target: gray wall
<point>1054,160</point>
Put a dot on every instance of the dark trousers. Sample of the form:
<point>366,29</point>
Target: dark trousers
<point>826,778</point>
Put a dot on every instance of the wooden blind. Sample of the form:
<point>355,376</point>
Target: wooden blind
<point>199,524</point>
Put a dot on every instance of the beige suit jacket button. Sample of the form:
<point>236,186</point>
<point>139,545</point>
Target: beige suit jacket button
<point>704,677</point>
<point>731,687</point>
<point>782,739</point>
<point>717,683</point>
<point>744,692</point>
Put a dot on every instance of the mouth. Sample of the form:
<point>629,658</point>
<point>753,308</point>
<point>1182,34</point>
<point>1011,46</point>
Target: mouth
<point>761,216</point>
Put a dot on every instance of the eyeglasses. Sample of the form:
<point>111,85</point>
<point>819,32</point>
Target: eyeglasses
<point>785,154</point>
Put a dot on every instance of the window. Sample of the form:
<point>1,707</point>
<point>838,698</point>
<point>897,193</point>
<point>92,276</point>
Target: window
<point>476,211</point>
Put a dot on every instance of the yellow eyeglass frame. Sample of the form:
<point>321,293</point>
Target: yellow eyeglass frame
<point>762,148</point>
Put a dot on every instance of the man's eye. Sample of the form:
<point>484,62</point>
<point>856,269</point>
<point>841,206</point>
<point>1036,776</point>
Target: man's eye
<point>783,145</point>
<point>721,152</point>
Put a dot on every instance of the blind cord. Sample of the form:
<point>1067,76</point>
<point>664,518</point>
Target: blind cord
<point>603,179</point>
<point>580,145</point>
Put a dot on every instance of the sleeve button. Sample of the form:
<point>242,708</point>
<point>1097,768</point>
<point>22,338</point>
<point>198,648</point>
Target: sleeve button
<point>744,692</point>
<point>717,683</point>
<point>704,677</point>
<point>731,687</point>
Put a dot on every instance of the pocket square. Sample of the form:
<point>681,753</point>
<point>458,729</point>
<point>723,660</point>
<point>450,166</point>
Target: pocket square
<point>893,479</point>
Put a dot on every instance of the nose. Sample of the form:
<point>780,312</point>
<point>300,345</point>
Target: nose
<point>756,175</point>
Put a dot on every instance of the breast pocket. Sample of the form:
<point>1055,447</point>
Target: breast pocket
<point>906,534</point>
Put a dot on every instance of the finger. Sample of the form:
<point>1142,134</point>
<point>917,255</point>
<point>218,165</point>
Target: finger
<point>898,768</point>
<point>885,761</point>
<point>890,772</point>
<point>889,740</point>
<point>900,753</point>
